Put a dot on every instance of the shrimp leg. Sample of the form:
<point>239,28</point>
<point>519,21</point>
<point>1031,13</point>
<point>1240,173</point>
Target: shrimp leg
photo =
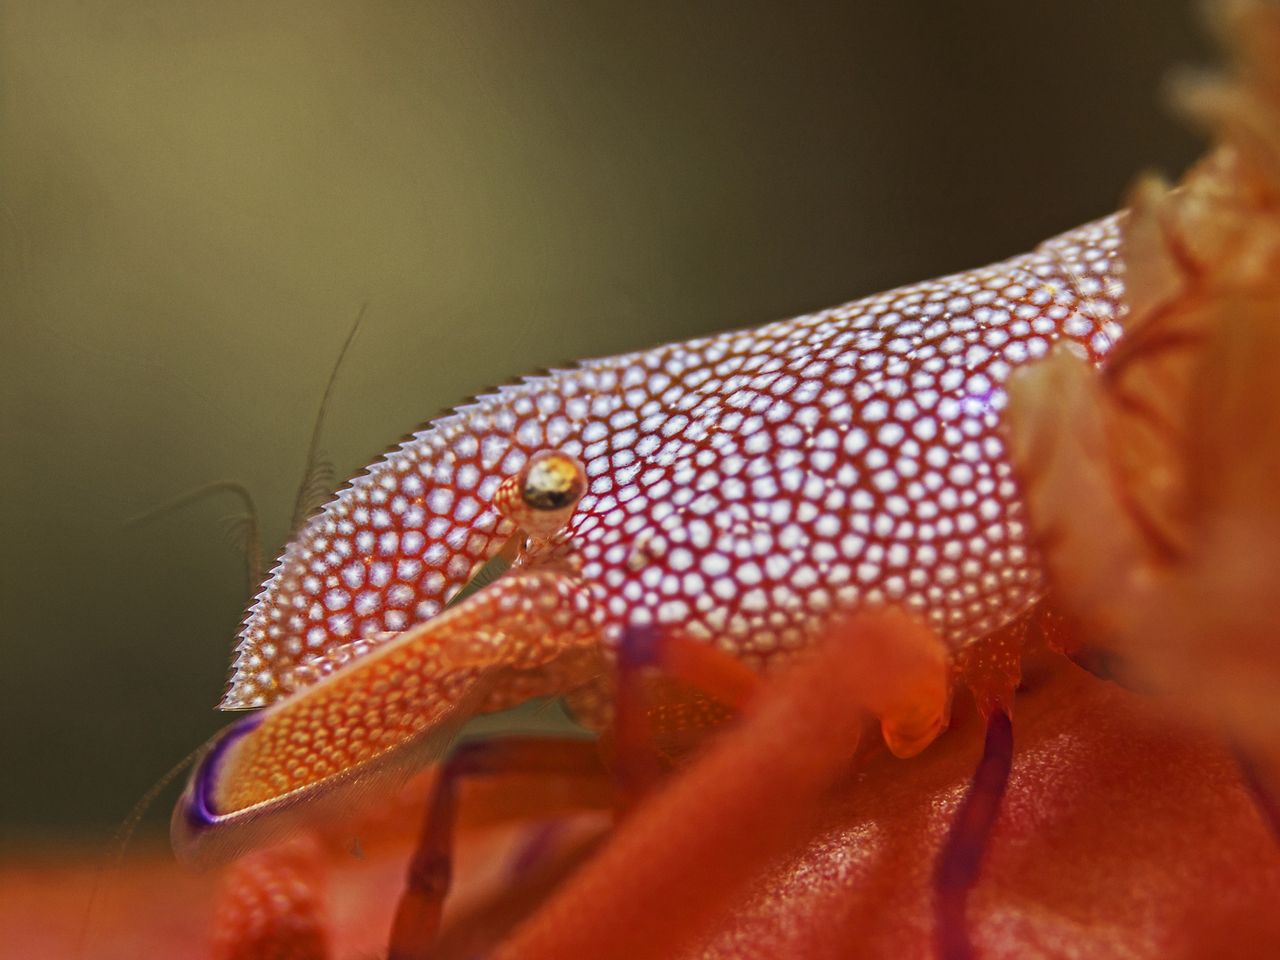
<point>417,920</point>
<point>961,858</point>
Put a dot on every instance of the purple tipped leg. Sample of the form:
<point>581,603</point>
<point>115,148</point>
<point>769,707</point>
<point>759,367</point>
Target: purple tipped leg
<point>962,853</point>
<point>636,766</point>
<point>417,919</point>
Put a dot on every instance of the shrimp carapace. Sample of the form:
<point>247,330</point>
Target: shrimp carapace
<point>749,490</point>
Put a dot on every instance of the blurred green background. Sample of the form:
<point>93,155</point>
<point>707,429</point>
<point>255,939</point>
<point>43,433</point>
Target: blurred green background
<point>195,200</point>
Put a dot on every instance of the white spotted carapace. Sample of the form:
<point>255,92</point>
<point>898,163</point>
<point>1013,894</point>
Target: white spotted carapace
<point>749,490</point>
<point>743,487</point>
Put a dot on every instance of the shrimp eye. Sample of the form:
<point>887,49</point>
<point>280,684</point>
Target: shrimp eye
<point>552,481</point>
<point>541,497</point>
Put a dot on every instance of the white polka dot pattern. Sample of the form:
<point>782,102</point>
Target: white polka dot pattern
<point>741,486</point>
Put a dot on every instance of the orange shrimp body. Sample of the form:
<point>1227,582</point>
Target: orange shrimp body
<point>743,489</point>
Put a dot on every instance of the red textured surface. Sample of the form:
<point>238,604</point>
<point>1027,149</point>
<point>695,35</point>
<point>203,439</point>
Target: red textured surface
<point>153,908</point>
<point>1123,834</point>
<point>272,907</point>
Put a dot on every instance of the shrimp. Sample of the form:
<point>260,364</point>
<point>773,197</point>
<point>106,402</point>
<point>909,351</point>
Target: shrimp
<point>827,502</point>
<point>749,492</point>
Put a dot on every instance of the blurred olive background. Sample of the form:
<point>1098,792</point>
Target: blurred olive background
<point>196,199</point>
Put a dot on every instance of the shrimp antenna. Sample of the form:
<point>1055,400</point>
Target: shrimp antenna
<point>124,833</point>
<point>317,472</point>
<point>247,532</point>
<point>245,529</point>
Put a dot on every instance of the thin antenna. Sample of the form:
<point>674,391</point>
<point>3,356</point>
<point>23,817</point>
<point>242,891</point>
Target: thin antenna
<point>246,524</point>
<point>245,529</point>
<point>491,569</point>
<point>317,473</point>
<point>124,833</point>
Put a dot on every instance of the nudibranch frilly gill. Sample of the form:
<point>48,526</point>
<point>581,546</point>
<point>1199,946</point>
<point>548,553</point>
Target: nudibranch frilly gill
<point>740,490</point>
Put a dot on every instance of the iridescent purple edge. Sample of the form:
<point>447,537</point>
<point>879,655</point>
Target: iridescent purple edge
<point>199,810</point>
<point>640,647</point>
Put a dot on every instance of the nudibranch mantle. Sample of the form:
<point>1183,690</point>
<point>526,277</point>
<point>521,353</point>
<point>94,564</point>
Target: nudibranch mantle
<point>743,486</point>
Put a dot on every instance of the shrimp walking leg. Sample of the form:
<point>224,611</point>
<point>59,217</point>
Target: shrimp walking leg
<point>961,857</point>
<point>417,919</point>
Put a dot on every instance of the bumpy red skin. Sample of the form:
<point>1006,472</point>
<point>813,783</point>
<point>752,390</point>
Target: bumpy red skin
<point>272,907</point>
